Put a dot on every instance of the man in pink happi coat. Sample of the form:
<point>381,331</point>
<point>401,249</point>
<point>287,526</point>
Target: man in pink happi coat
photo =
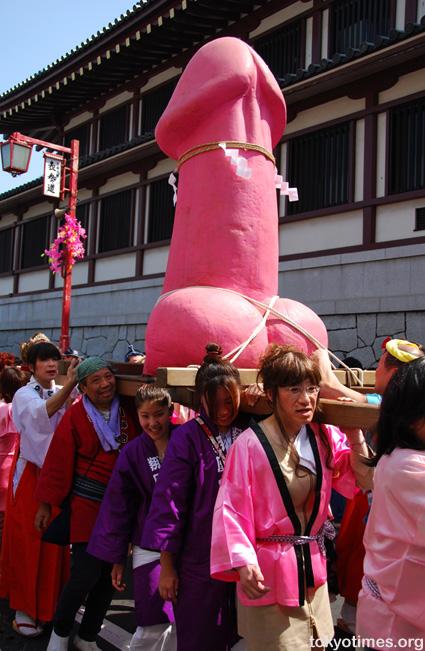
<point>249,506</point>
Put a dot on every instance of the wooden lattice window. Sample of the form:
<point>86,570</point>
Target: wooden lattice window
<point>160,211</point>
<point>35,239</point>
<point>282,50</point>
<point>6,250</point>
<point>420,219</point>
<point>114,127</point>
<point>406,166</point>
<point>116,221</point>
<point>352,22</point>
<point>81,133</point>
<point>319,166</point>
<point>153,105</point>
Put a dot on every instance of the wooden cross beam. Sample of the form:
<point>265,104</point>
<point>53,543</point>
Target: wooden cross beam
<point>180,383</point>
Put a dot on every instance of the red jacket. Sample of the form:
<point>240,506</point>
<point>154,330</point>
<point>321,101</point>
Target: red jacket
<point>75,450</point>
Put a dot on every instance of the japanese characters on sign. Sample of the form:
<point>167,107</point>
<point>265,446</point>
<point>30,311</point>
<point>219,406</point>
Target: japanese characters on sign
<point>52,175</point>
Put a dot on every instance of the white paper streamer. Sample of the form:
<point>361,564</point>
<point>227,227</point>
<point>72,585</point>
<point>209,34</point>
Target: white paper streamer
<point>241,164</point>
<point>172,180</point>
<point>283,186</point>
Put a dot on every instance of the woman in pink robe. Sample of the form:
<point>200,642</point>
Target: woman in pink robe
<point>11,379</point>
<point>271,514</point>
<point>392,600</point>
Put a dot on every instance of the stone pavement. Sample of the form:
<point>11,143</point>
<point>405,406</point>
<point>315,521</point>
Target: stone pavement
<point>114,636</point>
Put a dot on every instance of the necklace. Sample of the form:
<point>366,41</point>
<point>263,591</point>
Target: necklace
<point>122,437</point>
<point>217,442</point>
<point>283,434</point>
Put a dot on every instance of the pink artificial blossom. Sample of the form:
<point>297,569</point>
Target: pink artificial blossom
<point>70,236</point>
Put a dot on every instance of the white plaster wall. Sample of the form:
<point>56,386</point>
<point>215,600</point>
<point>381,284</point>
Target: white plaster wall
<point>119,182</point>
<point>421,9</point>
<point>406,85</point>
<point>323,113</point>
<point>78,119</point>
<point>34,280</point>
<point>322,233</point>
<point>136,218</point>
<point>359,168</point>
<point>139,123</point>
<point>118,266</point>
<point>397,221</point>
<point>84,194</point>
<point>308,41</point>
<point>161,78</point>
<point>381,154</point>
<point>325,33</point>
<point>80,275</point>
<point>95,134</point>
<point>155,260</point>
<point>400,14</point>
<point>116,101</point>
<point>284,173</point>
<point>165,166</point>
<point>7,220</point>
<point>6,285</point>
<point>38,209</point>
<point>280,17</point>
<point>146,211</point>
<point>130,120</point>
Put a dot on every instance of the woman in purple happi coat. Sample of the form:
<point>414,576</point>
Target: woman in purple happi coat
<point>122,517</point>
<point>180,519</point>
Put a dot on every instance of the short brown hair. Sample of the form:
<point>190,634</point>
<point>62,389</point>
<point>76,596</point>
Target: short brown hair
<point>42,351</point>
<point>11,379</point>
<point>285,366</point>
<point>37,338</point>
<point>152,393</point>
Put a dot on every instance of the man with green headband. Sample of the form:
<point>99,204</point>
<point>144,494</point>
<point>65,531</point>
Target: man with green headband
<point>78,465</point>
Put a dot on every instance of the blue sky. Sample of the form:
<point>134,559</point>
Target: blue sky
<point>35,34</point>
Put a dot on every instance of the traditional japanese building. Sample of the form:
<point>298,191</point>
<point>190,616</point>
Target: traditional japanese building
<point>352,248</point>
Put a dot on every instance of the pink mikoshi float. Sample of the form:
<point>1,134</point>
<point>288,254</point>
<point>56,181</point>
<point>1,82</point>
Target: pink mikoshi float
<point>225,117</point>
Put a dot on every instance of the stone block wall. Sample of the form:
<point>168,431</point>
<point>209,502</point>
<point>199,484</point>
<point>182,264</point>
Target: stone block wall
<point>103,318</point>
<point>361,335</point>
<point>357,335</point>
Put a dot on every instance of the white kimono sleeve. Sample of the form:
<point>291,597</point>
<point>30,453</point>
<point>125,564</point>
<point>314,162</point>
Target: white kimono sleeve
<point>34,425</point>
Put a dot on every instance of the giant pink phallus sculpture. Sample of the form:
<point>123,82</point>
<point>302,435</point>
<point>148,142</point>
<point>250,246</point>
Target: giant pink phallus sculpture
<point>221,124</point>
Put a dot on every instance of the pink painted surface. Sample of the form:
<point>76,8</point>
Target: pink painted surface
<point>226,227</point>
<point>9,441</point>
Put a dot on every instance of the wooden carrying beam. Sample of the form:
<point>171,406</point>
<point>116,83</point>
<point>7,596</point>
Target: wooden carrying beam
<point>349,414</point>
<point>180,383</point>
<point>185,377</point>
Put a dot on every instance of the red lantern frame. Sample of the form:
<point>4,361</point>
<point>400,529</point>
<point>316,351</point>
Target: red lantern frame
<point>71,171</point>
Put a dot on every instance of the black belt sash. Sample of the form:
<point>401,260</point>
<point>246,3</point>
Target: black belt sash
<point>302,552</point>
<point>316,507</point>
<point>90,489</point>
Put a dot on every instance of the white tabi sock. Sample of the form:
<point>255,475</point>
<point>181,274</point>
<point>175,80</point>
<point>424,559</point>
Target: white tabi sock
<point>58,643</point>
